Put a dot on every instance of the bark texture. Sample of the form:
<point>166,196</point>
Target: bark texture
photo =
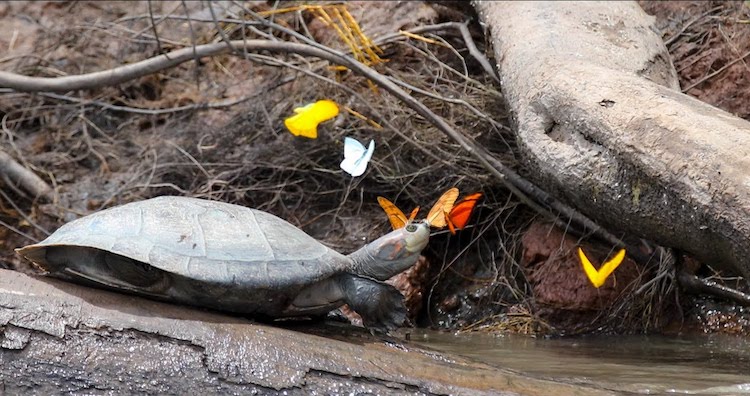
<point>601,124</point>
<point>57,337</point>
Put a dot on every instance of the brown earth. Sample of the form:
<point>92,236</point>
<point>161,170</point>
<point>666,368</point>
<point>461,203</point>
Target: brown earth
<point>554,271</point>
<point>710,46</point>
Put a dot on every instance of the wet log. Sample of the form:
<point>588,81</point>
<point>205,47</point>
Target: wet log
<point>56,337</point>
<point>601,124</point>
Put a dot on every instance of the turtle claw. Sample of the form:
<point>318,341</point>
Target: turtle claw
<point>381,306</point>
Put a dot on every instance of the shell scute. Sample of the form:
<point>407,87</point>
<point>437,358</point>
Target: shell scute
<point>206,240</point>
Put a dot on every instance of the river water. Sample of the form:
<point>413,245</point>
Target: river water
<point>710,364</point>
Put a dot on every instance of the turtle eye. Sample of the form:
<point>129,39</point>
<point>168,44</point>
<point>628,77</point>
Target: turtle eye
<point>411,228</point>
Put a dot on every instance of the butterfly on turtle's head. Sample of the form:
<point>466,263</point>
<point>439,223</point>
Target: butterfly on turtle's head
<point>458,216</point>
<point>397,217</point>
<point>436,216</point>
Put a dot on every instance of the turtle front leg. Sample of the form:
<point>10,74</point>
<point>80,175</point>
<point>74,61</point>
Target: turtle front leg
<point>380,305</point>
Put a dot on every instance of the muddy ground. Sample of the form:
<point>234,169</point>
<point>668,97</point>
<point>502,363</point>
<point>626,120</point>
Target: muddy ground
<point>710,46</point>
<point>213,129</point>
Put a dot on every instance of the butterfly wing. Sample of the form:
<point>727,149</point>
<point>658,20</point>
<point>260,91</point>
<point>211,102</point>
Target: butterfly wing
<point>451,226</point>
<point>436,215</point>
<point>413,214</point>
<point>589,269</point>
<point>610,266</point>
<point>299,125</point>
<point>304,109</point>
<point>324,110</point>
<point>353,149</point>
<point>598,278</point>
<point>395,215</point>
<point>365,159</point>
<point>459,215</point>
<point>356,157</point>
<point>306,119</point>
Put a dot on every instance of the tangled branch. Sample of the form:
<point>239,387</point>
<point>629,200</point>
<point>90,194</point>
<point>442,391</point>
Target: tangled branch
<point>519,186</point>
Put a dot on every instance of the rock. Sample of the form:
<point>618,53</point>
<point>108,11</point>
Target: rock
<point>554,271</point>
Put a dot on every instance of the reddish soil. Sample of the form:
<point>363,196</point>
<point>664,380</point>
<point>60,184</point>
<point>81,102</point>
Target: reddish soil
<point>554,271</point>
<point>710,46</point>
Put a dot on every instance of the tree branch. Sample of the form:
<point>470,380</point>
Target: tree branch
<point>696,285</point>
<point>510,179</point>
<point>27,179</point>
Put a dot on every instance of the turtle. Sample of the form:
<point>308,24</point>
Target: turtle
<point>231,258</point>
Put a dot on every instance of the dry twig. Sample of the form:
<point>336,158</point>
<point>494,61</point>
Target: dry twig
<point>14,172</point>
<point>715,73</point>
<point>513,181</point>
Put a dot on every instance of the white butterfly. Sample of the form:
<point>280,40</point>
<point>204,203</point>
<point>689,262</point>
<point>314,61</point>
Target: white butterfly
<point>356,156</point>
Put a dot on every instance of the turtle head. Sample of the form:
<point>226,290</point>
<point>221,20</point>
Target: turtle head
<point>393,252</point>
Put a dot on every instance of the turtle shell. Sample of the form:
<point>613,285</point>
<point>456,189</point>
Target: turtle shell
<point>211,253</point>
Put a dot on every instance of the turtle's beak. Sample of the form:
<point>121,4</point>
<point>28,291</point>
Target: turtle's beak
<point>393,252</point>
<point>417,240</point>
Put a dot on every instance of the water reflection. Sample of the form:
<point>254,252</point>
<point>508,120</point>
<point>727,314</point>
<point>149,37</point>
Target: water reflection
<point>643,364</point>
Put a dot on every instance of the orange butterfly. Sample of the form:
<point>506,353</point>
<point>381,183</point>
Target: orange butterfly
<point>436,216</point>
<point>395,215</point>
<point>459,215</point>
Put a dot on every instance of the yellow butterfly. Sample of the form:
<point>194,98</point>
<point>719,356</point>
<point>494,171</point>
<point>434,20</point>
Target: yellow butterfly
<point>598,277</point>
<point>305,120</point>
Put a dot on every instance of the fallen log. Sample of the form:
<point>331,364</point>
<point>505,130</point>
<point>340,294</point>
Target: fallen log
<point>601,123</point>
<point>57,337</point>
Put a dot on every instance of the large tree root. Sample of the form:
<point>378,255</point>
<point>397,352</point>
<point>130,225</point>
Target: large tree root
<point>601,123</point>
